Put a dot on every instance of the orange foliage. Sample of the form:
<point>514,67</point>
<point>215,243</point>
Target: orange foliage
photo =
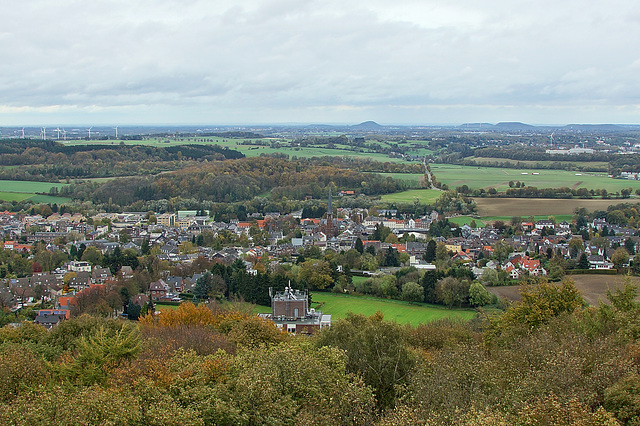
<point>187,315</point>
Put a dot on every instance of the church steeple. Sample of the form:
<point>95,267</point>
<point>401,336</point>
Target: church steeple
<point>329,225</point>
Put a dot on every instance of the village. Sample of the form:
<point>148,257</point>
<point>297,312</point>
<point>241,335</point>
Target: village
<point>265,241</point>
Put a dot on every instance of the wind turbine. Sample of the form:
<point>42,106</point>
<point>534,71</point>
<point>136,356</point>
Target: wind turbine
<point>89,130</point>
<point>23,133</point>
<point>43,132</point>
<point>64,134</point>
<point>57,129</point>
<point>116,131</point>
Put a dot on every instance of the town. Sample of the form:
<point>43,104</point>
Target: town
<point>54,263</point>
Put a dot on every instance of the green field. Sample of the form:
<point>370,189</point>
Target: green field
<point>425,196</point>
<point>413,179</point>
<point>248,150</point>
<point>602,166</point>
<point>495,177</point>
<point>338,306</point>
<point>18,190</point>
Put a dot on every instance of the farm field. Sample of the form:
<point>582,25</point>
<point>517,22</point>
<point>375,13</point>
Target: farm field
<point>592,287</point>
<point>602,166</point>
<point>338,306</point>
<point>498,178</point>
<point>17,190</point>
<point>426,196</point>
<point>525,207</point>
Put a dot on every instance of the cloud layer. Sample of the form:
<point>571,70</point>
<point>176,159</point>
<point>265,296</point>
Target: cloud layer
<point>420,62</point>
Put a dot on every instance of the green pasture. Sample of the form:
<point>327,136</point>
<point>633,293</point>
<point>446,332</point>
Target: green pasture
<point>28,186</point>
<point>498,177</point>
<point>14,196</point>
<point>425,196</point>
<point>18,190</point>
<point>412,179</point>
<point>338,306</point>
<point>466,220</point>
<point>591,165</point>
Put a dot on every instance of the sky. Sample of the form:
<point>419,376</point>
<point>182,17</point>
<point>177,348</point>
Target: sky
<point>118,62</point>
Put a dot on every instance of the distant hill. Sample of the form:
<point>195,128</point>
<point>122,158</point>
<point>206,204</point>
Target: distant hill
<point>476,126</point>
<point>367,125</point>
<point>513,125</point>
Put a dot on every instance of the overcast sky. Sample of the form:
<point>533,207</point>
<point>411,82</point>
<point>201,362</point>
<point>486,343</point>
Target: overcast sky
<point>311,61</point>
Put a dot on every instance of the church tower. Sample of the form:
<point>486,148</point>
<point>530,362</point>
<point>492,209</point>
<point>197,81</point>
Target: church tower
<point>330,226</point>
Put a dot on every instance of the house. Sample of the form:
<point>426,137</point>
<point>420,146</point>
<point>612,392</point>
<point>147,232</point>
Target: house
<point>544,223</point>
<point>158,289</point>
<point>290,312</point>
<point>51,317</point>
<point>100,274</point>
<point>598,261</point>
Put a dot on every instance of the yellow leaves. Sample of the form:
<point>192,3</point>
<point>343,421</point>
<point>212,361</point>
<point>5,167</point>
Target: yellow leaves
<point>187,315</point>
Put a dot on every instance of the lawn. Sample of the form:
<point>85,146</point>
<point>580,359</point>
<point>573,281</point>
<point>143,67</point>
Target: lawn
<point>499,178</point>
<point>425,196</point>
<point>338,306</point>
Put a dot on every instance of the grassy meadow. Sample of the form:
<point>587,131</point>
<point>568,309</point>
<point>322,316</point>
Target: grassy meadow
<point>425,196</point>
<point>498,178</point>
<point>18,190</point>
<point>338,306</point>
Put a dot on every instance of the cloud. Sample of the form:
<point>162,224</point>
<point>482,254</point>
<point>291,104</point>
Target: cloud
<point>311,60</point>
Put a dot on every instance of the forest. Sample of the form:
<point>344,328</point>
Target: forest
<point>237,180</point>
<point>53,161</point>
<point>546,359</point>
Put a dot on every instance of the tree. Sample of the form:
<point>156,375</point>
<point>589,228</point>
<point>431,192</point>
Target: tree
<point>412,292</point>
<point>539,303</point>
<point>359,246</point>
<point>575,246</point>
<point>203,286</point>
<point>375,349</point>
<point>630,246</point>
<point>620,257</point>
<point>479,296</point>
<point>316,273</point>
<point>452,292</point>
<point>430,253</point>
<point>429,281</point>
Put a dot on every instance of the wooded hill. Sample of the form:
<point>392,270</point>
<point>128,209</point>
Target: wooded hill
<point>48,160</point>
<point>238,180</point>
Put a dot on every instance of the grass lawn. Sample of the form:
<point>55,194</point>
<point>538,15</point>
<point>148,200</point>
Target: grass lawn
<point>338,305</point>
<point>426,196</point>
